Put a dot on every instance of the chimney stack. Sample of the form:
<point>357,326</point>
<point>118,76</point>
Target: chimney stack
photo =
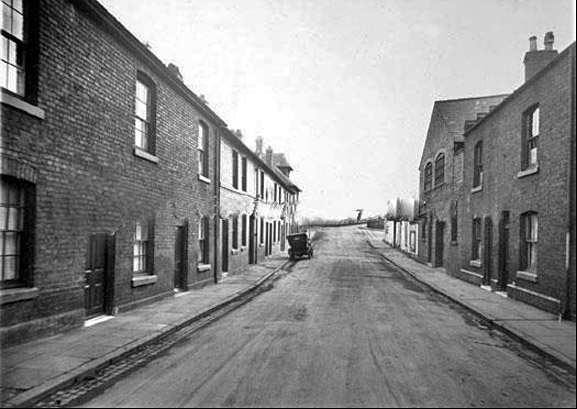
<point>175,71</point>
<point>259,143</point>
<point>269,153</point>
<point>535,59</point>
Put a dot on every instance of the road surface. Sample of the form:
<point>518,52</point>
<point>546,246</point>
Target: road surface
<point>342,330</point>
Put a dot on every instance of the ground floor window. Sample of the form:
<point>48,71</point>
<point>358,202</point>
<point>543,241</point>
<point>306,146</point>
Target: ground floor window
<point>143,246</point>
<point>203,241</point>
<point>11,231</point>
<point>477,240</point>
<point>529,240</point>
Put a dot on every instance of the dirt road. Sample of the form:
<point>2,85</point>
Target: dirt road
<point>342,330</point>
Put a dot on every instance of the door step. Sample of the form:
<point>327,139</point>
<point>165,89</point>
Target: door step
<point>97,320</point>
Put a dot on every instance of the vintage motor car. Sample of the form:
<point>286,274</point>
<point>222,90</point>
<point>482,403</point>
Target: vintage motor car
<point>300,245</point>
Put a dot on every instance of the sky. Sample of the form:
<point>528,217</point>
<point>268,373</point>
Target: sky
<point>345,88</point>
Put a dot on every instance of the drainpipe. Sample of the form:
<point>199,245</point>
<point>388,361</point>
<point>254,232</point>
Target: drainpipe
<point>565,307</point>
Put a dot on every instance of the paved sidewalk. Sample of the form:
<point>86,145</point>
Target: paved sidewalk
<point>537,329</point>
<point>32,370</point>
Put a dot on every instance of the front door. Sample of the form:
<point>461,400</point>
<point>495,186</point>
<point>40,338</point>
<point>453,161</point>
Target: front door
<point>430,239</point>
<point>225,246</point>
<point>503,251</point>
<point>439,243</point>
<point>252,240</point>
<point>488,250</point>
<point>180,258</point>
<point>100,247</point>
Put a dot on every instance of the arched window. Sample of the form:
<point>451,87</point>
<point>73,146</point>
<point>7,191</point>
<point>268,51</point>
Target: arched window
<point>428,176</point>
<point>440,169</point>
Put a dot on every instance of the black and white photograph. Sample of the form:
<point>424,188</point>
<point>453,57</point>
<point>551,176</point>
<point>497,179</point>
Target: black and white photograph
<point>288,203</point>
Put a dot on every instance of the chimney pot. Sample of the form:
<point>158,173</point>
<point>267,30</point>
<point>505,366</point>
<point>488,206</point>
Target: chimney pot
<point>549,40</point>
<point>259,143</point>
<point>533,43</point>
<point>269,153</point>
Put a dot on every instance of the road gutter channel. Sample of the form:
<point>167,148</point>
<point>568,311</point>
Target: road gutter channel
<point>494,324</point>
<point>88,370</point>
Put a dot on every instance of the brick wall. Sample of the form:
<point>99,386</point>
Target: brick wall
<point>544,192</point>
<point>88,178</point>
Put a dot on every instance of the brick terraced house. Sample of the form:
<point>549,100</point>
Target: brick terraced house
<point>257,204</point>
<point>441,178</point>
<point>518,219</point>
<point>110,173</point>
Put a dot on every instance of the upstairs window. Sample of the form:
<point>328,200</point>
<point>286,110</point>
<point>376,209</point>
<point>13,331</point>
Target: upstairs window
<point>428,177</point>
<point>478,165</point>
<point>244,174</point>
<point>235,169</point>
<point>440,170</point>
<point>477,240</point>
<point>203,142</point>
<point>262,184</point>
<point>529,240</point>
<point>530,137</point>
<point>12,70</point>
<point>144,114</point>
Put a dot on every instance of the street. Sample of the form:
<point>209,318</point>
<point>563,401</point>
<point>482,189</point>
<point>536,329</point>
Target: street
<point>344,329</point>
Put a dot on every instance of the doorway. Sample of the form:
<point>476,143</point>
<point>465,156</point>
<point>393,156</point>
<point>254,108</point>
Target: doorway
<point>225,246</point>
<point>488,248</point>
<point>252,238</point>
<point>503,251</point>
<point>99,263</point>
<point>181,258</point>
<point>439,243</point>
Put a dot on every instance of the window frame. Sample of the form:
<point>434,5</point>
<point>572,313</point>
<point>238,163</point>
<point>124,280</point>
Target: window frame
<point>477,239</point>
<point>428,177</point>
<point>149,136</point>
<point>529,242</point>
<point>439,170</point>
<point>234,223</point>
<point>244,174</point>
<point>455,221</point>
<point>203,241</point>
<point>21,45</point>
<point>530,139</point>
<point>478,175</point>
<point>235,169</point>
<point>244,230</point>
<point>203,148</point>
<point>25,233</point>
<point>146,248</point>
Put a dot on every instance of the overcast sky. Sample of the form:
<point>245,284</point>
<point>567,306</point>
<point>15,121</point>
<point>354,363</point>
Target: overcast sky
<point>344,88</point>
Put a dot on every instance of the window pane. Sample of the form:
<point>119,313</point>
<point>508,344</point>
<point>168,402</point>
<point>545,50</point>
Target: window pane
<point>17,5</point>
<point>12,78</point>
<point>10,268</point>
<point>6,18</point>
<point>535,123</point>
<point>14,219</point>
<point>534,228</point>
<point>141,110</point>
<point>141,92</point>
<point>11,247</point>
<point>18,25</point>
<point>136,264</point>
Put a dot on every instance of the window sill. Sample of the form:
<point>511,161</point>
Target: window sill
<point>13,295</point>
<point>204,179</point>
<point>454,243</point>
<point>243,248</point>
<point>476,263</point>
<point>440,185</point>
<point>261,245</point>
<point>527,276</point>
<point>140,281</point>
<point>22,105</point>
<point>477,189</point>
<point>145,155</point>
<point>234,251</point>
<point>203,268</point>
<point>528,172</point>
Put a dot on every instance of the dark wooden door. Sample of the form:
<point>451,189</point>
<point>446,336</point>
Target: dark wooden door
<point>430,240</point>
<point>252,237</point>
<point>488,251</point>
<point>503,251</point>
<point>439,243</point>
<point>181,258</point>
<point>95,273</point>
<point>225,249</point>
